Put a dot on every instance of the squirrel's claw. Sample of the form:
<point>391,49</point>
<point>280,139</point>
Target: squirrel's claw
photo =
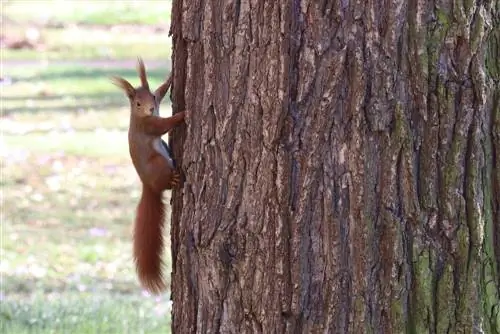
<point>176,179</point>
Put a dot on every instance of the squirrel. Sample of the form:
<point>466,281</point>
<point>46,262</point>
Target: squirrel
<point>155,166</point>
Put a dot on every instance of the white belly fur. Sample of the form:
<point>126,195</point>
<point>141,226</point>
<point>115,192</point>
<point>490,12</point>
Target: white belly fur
<point>158,147</point>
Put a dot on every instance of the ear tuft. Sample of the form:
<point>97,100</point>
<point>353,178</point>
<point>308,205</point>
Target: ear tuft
<point>163,89</point>
<point>123,85</point>
<point>141,69</point>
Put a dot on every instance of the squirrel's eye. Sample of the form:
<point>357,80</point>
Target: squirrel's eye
<point>138,104</point>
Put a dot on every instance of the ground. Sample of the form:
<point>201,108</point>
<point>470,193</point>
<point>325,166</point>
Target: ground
<point>69,190</point>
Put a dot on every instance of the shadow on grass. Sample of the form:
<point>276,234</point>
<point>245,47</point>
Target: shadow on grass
<point>158,74</point>
<point>69,103</point>
<point>75,108</point>
<point>118,96</point>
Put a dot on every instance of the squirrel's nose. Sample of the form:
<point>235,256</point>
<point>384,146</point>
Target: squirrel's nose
<point>151,109</point>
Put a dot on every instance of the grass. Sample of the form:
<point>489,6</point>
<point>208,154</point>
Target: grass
<point>84,313</point>
<point>71,90</point>
<point>59,12</point>
<point>86,29</point>
<point>69,196</point>
<point>68,188</point>
<point>91,42</point>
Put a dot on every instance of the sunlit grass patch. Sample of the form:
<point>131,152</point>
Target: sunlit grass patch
<point>81,312</point>
<point>64,29</point>
<point>93,43</point>
<point>86,30</point>
<point>57,12</point>
<point>57,29</point>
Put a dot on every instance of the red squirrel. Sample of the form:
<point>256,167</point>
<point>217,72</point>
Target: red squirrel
<point>156,168</point>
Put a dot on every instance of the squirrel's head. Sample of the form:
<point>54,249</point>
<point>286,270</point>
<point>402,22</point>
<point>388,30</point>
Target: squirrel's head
<point>143,102</point>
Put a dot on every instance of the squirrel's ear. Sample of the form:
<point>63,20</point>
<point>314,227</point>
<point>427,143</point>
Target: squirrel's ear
<point>124,85</point>
<point>163,89</point>
<point>142,73</point>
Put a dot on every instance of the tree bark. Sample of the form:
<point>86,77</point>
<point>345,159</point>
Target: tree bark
<point>341,163</point>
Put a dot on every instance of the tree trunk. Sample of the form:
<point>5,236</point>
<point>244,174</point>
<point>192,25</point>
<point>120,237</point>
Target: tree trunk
<point>341,163</point>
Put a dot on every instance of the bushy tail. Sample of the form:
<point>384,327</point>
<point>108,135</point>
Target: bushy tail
<point>148,240</point>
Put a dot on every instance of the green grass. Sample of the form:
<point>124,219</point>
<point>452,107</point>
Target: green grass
<point>57,12</point>
<point>80,92</point>
<point>84,312</point>
<point>69,193</point>
<point>87,29</point>
<point>91,43</point>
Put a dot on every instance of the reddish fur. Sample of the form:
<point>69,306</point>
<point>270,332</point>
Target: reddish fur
<point>158,125</point>
<point>148,239</point>
<point>154,171</point>
<point>141,69</point>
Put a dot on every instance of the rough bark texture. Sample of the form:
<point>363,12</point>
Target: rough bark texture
<point>341,164</point>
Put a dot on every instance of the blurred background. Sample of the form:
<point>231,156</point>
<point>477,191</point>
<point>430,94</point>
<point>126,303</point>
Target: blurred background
<point>68,188</point>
